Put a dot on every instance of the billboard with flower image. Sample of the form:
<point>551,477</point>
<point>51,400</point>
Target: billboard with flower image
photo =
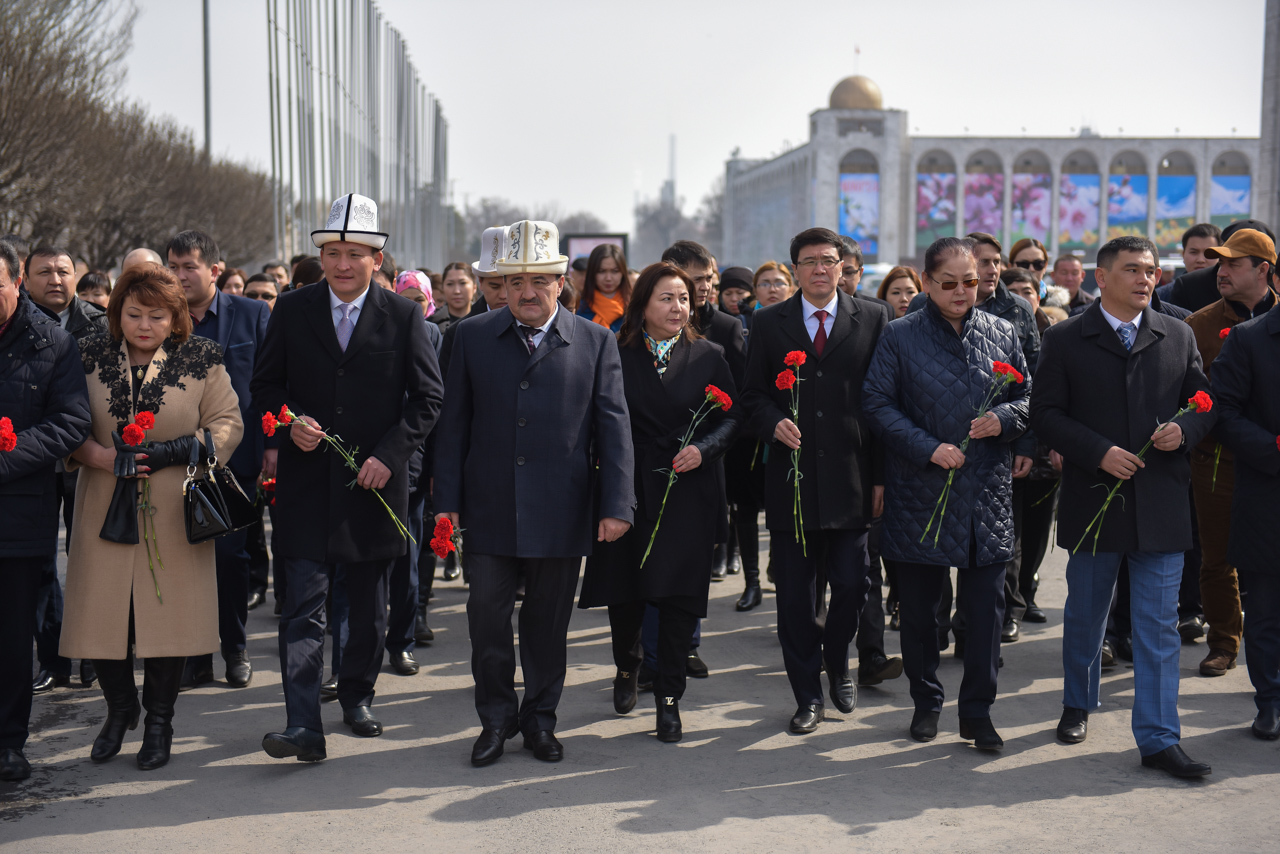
<point>984,203</point>
<point>1175,209</point>
<point>1032,208</point>
<point>1126,205</point>
<point>1078,214</point>
<point>860,210</point>
<point>1229,199</point>
<point>935,207</point>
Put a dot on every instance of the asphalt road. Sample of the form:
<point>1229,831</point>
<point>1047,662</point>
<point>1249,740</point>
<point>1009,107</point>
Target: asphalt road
<point>737,782</point>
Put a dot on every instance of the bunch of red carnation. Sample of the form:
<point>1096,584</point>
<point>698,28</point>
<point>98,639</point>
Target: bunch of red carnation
<point>444,539</point>
<point>716,396</point>
<point>1008,371</point>
<point>136,433</point>
<point>8,438</point>
<point>271,422</point>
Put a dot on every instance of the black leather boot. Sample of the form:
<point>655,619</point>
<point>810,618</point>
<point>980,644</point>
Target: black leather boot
<point>161,679</point>
<point>719,562</point>
<point>116,676</point>
<point>669,728</point>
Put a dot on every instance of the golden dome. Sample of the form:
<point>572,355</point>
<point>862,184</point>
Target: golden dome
<point>856,93</point>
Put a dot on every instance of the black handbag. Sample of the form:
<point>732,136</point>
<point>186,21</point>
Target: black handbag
<point>213,503</point>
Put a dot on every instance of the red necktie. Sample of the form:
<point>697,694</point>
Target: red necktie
<point>820,339</point>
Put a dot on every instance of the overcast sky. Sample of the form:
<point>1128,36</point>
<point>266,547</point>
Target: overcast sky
<point>573,102</point>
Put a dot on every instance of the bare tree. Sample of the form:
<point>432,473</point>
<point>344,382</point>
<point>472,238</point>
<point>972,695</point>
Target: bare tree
<point>710,218</point>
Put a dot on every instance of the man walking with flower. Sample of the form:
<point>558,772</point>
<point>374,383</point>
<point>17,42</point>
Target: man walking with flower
<point>1110,381</point>
<point>824,449</point>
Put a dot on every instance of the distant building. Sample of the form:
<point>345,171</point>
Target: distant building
<point>861,174</point>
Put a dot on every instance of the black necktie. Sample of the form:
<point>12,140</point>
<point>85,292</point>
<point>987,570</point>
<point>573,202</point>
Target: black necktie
<point>528,332</point>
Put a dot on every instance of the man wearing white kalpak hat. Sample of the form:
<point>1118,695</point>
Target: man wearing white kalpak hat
<point>352,362</point>
<point>534,404</point>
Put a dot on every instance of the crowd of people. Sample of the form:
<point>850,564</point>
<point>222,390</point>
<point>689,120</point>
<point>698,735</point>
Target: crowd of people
<point>515,415</point>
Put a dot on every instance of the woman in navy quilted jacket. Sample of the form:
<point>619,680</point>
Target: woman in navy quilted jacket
<point>931,372</point>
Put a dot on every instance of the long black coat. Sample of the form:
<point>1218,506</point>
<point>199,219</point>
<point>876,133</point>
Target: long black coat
<point>720,327</point>
<point>1091,394</point>
<point>839,458</point>
<point>43,392</point>
<point>661,408</point>
<point>381,396</point>
<point>522,434</point>
<point>924,387</point>
<point>1246,392</point>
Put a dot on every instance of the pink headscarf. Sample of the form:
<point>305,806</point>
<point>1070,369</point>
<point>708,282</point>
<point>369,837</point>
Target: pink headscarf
<point>417,279</point>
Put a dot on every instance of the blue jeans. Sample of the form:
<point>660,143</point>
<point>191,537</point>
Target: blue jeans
<point>1154,578</point>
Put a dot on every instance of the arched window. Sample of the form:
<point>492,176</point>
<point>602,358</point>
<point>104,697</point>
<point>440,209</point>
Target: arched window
<point>1031,210</point>
<point>935,197</point>
<point>1127,188</point>
<point>1079,193</point>
<point>860,201</point>
<point>984,194</point>
<point>1230,193</point>
<point>1175,199</point>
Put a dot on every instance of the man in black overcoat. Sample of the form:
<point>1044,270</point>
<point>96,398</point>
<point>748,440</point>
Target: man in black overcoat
<point>534,462</point>
<point>841,485</point>
<point>1246,390</point>
<point>353,362</point>
<point>1109,380</point>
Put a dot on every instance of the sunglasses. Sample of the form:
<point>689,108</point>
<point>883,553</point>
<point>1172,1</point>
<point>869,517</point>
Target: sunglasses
<point>951,286</point>
<point>259,295</point>
<point>1031,265</point>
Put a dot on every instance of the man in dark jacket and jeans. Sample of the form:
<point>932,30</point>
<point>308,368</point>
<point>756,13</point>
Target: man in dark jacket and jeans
<point>45,402</point>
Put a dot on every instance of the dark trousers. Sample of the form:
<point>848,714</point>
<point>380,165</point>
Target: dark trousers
<point>49,599</point>
<point>676,622</point>
<point>746,532</point>
<point>1037,505</point>
<point>19,581</point>
<point>980,596</point>
<point>649,637</point>
<point>405,580</point>
<point>232,560</point>
<point>259,559</point>
<point>549,585</point>
<point>302,625</point>
<point>870,638</point>
<point>1261,594</point>
<point>808,643</point>
<point>1219,586</point>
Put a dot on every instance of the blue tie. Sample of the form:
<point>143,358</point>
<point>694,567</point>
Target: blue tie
<point>1128,332</point>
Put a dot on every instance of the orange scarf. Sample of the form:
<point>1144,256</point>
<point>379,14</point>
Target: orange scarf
<point>607,308</point>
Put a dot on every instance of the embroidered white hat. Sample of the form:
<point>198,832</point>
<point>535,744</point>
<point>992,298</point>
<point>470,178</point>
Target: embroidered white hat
<point>493,248</point>
<point>533,247</point>
<point>353,218</point>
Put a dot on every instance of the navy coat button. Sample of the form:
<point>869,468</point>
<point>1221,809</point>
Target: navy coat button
<point>820,453</point>
<point>520,422</point>
<point>341,372</point>
<point>819,413</point>
<point>519,461</point>
<point>524,383</point>
<point>818,374</point>
<point>338,410</point>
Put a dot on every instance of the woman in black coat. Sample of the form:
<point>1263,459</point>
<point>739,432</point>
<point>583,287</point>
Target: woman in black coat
<point>930,374</point>
<point>666,368</point>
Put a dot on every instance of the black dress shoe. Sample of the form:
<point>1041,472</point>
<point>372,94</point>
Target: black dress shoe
<point>806,719</point>
<point>404,663</point>
<point>256,598</point>
<point>421,631</point>
<point>329,690</point>
<point>362,721</point>
<point>669,728</point>
<point>1266,725</point>
<point>47,680</point>
<point>1173,761</point>
<point>844,694</point>
<point>1108,654</point>
<point>544,746</point>
<point>305,744</point>
<point>878,668</point>
<point>157,743</point>
<point>13,765</point>
<point>1010,633</point>
<point>239,670</point>
<point>111,737</point>
<point>1074,725</point>
<point>1191,629</point>
<point>734,566</point>
<point>88,674</point>
<point>981,732</point>
<point>451,572</point>
<point>199,671</point>
<point>277,611</point>
<point>750,598</point>
<point>1124,649</point>
<point>644,678</point>
<point>719,563</point>
<point>1033,614</point>
<point>924,725</point>
<point>489,745</point>
<point>625,691</point>
<point>694,667</point>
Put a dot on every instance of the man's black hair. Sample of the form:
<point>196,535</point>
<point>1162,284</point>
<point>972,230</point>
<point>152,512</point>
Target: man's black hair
<point>46,251</point>
<point>686,253</point>
<point>194,242</point>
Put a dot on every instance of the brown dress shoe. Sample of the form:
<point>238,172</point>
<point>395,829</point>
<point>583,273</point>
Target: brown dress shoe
<point>1217,663</point>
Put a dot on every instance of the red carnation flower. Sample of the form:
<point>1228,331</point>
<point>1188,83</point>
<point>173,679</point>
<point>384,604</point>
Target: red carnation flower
<point>286,417</point>
<point>8,440</point>
<point>145,420</point>
<point>718,397</point>
<point>785,380</point>
<point>795,358</point>
<point>269,485</point>
<point>133,434</point>
<point>1223,333</point>
<point>6,426</point>
<point>1201,401</point>
<point>269,424</point>
<point>442,538</point>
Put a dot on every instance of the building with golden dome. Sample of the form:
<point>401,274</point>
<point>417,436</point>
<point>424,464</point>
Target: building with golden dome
<point>863,175</point>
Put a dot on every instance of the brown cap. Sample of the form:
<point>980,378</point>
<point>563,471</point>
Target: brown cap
<point>1245,243</point>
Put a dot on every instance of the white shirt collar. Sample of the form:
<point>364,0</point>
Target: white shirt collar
<point>1115,322</point>
<point>542,330</point>
<point>830,308</point>
<point>336,304</point>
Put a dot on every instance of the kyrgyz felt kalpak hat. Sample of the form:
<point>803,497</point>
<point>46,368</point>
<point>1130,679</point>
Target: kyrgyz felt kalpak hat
<point>533,247</point>
<point>353,219</point>
<point>493,248</point>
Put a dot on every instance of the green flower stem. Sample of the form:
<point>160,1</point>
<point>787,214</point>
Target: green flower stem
<point>1217,458</point>
<point>698,418</point>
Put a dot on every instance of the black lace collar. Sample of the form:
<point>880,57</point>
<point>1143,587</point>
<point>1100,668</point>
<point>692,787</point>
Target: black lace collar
<point>107,357</point>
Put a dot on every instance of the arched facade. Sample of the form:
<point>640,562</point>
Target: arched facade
<point>860,201</point>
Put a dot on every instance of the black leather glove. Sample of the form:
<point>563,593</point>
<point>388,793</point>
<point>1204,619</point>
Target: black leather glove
<point>125,465</point>
<point>158,455</point>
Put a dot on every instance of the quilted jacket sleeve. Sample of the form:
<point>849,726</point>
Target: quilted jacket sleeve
<point>881,392</point>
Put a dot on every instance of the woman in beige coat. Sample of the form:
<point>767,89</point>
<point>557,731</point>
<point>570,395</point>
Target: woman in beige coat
<point>153,592</point>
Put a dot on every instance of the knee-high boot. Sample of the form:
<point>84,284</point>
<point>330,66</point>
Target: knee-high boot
<point>116,677</point>
<point>161,679</point>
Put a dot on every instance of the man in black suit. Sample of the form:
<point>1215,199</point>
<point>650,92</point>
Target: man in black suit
<point>354,362</point>
<point>1105,377</point>
<point>239,326</point>
<point>841,486</point>
<point>534,445</point>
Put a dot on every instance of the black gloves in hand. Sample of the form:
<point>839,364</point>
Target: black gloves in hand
<point>158,455</point>
<point>125,465</point>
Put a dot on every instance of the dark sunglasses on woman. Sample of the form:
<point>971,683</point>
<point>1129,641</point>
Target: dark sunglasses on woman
<point>1031,265</point>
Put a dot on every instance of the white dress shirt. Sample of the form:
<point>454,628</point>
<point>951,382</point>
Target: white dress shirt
<point>811,322</point>
<point>335,308</point>
<point>1115,322</point>
<point>542,330</point>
